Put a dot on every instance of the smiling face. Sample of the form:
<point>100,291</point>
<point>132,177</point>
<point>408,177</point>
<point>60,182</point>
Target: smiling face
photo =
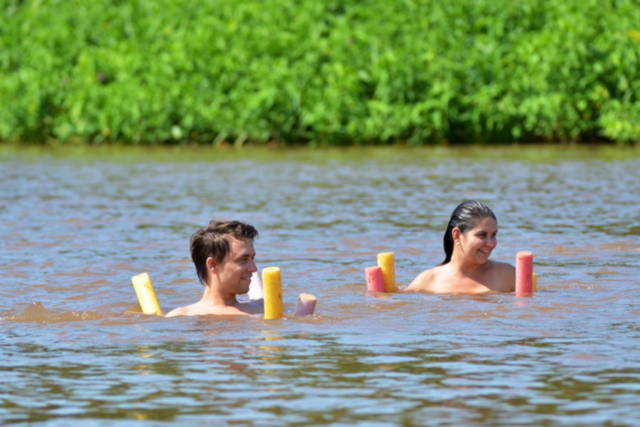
<point>477,243</point>
<point>235,270</point>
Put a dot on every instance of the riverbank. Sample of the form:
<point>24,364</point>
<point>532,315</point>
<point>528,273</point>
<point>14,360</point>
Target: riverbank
<point>312,73</point>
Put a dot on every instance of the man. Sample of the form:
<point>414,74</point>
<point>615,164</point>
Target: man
<point>223,255</point>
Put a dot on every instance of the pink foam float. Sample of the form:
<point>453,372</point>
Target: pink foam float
<point>524,273</point>
<point>375,280</point>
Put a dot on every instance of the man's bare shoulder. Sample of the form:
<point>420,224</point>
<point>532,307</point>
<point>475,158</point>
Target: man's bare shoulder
<point>200,310</point>
<point>180,311</point>
<point>254,306</point>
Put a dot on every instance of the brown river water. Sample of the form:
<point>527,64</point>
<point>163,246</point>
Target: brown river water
<point>77,224</point>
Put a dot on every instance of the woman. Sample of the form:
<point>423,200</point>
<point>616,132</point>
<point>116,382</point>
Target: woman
<point>468,242</point>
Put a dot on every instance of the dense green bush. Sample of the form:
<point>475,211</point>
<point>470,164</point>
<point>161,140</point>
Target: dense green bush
<point>335,72</point>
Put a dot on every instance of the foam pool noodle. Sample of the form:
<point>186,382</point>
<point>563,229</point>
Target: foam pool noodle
<point>306,305</point>
<point>375,281</point>
<point>145,293</point>
<point>534,284</point>
<point>272,287</point>
<point>524,273</point>
<point>255,287</point>
<point>386,262</point>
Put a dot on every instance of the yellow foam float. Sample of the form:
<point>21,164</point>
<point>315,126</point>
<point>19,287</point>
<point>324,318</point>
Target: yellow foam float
<point>146,295</point>
<point>272,287</point>
<point>386,261</point>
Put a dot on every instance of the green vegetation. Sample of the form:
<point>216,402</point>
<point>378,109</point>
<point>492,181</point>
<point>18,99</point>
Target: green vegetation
<point>321,72</point>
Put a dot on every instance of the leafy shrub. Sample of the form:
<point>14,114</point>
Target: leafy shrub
<point>332,72</point>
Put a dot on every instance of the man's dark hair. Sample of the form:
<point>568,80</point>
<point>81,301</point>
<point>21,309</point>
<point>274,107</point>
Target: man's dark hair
<point>213,241</point>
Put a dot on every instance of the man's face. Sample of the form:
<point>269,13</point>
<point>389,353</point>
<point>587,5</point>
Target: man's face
<point>234,272</point>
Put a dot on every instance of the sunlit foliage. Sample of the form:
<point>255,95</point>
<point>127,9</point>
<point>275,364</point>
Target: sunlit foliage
<point>319,72</point>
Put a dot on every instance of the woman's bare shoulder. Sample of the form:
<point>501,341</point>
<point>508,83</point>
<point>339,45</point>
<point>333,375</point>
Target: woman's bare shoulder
<point>503,268</point>
<point>423,281</point>
<point>505,274</point>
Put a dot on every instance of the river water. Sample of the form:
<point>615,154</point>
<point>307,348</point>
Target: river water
<point>77,224</point>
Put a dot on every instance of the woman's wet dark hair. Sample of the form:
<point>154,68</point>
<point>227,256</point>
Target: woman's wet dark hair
<point>465,217</point>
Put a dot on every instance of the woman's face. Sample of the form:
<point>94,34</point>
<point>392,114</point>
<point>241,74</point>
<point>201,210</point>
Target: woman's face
<point>478,242</point>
